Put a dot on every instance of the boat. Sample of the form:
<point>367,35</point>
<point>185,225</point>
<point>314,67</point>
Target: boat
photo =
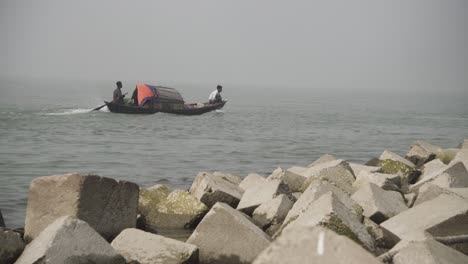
<point>153,99</point>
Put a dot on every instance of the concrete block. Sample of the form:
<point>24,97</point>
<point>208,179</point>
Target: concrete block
<point>251,180</point>
<point>313,193</point>
<point>146,248</point>
<point>69,240</point>
<point>255,196</point>
<point>210,189</point>
<point>337,171</point>
<point>314,244</point>
<point>445,215</point>
<point>227,236</point>
<point>452,176</point>
<point>358,168</point>
<point>107,205</point>
<point>422,152</point>
<point>272,213</point>
<point>162,208</point>
<point>389,182</point>
<point>324,159</point>
<point>378,204</point>
<point>11,246</point>
<point>388,155</point>
<point>430,252</point>
<point>329,212</point>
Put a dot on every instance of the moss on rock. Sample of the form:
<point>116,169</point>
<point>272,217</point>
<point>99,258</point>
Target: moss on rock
<point>334,223</point>
<point>165,209</point>
<point>446,156</point>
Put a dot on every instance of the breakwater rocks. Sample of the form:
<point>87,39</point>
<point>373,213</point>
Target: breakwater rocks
<point>393,209</point>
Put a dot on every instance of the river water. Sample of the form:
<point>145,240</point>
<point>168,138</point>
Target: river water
<point>47,128</point>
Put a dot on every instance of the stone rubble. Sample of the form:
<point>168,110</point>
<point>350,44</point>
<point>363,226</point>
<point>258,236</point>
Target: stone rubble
<point>403,210</point>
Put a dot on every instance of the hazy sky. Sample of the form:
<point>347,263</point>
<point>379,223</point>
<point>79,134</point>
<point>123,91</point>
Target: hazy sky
<point>372,44</point>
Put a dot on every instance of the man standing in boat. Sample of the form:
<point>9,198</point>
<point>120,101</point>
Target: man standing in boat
<point>118,97</point>
<point>215,96</point>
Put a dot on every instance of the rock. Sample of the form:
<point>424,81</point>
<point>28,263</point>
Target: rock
<point>227,236</point>
<point>11,246</point>
<point>210,189</point>
<point>251,180</point>
<point>422,152</point>
<point>276,174</point>
<point>255,196</point>
<point>337,171</point>
<point>107,205</point>
<point>146,248</point>
<point>2,223</point>
<point>408,174</point>
<point>69,240</point>
<point>410,198</point>
<point>324,159</point>
<point>229,177</point>
<point>462,156</point>
<point>447,155</point>
<point>378,204</point>
<point>443,216</point>
<point>328,211</point>
<point>358,168</point>
<point>451,176</point>
<point>382,242</point>
<point>313,244</point>
<point>429,251</point>
<point>430,191</point>
<point>165,209</point>
<point>431,167</point>
<point>272,213</point>
<point>295,196</point>
<point>464,145</point>
<point>388,155</point>
<point>312,194</point>
<point>373,162</point>
<point>389,182</point>
<point>462,192</point>
<point>294,178</point>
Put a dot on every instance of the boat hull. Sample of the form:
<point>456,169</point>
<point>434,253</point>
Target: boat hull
<point>130,109</point>
<point>189,110</point>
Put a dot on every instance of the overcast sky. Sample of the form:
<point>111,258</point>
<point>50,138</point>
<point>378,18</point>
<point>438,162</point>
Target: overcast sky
<point>372,44</point>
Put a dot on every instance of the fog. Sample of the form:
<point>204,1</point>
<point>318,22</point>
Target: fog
<point>419,45</point>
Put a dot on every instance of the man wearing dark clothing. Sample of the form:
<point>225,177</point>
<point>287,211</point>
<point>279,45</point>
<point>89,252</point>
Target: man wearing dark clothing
<point>135,96</point>
<point>118,97</point>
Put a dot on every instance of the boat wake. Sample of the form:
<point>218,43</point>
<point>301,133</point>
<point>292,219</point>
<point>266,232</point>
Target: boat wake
<point>69,112</point>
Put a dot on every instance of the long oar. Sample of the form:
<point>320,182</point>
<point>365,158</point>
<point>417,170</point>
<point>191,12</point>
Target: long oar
<point>99,107</point>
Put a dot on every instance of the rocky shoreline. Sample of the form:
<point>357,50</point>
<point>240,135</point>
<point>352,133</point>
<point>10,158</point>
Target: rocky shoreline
<point>393,209</point>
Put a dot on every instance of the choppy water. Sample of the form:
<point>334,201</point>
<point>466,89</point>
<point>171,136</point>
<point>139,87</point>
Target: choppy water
<point>47,128</point>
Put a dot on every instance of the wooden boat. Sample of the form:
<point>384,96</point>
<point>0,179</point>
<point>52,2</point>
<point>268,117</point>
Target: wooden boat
<point>194,109</point>
<point>130,109</point>
<point>152,99</point>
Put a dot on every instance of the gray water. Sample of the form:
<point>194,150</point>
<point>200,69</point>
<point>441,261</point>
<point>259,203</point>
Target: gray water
<point>46,128</point>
